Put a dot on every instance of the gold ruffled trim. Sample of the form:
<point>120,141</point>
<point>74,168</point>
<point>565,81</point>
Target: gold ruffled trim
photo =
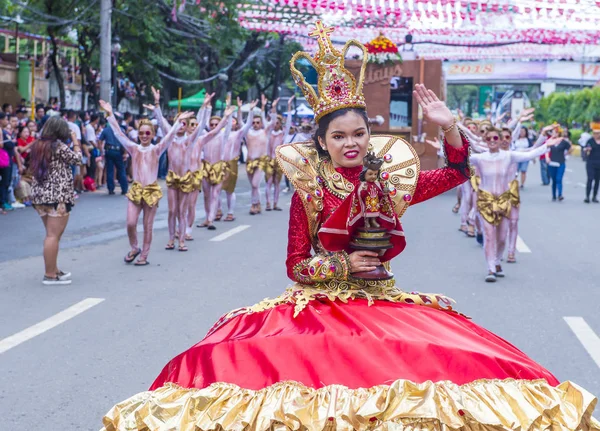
<point>300,295</point>
<point>483,405</point>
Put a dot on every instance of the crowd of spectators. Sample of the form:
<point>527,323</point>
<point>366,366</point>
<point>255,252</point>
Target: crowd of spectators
<point>104,163</point>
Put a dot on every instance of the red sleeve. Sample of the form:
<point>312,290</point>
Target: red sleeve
<point>299,243</point>
<point>302,266</point>
<point>438,181</point>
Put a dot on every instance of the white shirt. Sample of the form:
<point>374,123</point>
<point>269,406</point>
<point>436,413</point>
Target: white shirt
<point>585,136</point>
<point>90,134</point>
<point>75,129</point>
<point>521,144</point>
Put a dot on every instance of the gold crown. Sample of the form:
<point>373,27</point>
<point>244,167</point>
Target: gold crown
<point>338,88</point>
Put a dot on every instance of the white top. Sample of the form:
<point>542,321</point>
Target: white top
<point>75,129</point>
<point>585,136</point>
<point>521,144</point>
<point>90,134</point>
<point>494,168</point>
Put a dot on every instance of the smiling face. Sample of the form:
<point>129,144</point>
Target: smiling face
<point>492,138</point>
<point>506,140</point>
<point>146,133</point>
<point>472,127</point>
<point>346,140</point>
<point>234,125</point>
<point>25,133</point>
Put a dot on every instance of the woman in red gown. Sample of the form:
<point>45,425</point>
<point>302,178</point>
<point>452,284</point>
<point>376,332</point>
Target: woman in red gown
<point>337,352</point>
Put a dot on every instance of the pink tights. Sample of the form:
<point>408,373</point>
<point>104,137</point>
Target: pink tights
<point>494,238</point>
<point>133,214</point>
<point>513,230</point>
<point>255,179</point>
<point>178,208</point>
<point>191,210</point>
<point>212,197</point>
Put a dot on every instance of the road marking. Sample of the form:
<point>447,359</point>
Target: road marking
<point>521,246</point>
<point>45,325</point>
<point>230,232</point>
<point>586,336</point>
<point>581,185</point>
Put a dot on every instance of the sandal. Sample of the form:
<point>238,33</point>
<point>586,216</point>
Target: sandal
<point>183,248</point>
<point>511,259</point>
<point>212,227</point>
<point>276,208</point>
<point>253,210</point>
<point>205,224</point>
<point>229,217</point>
<point>268,207</point>
<point>463,229</point>
<point>131,257</point>
<point>141,262</point>
<point>471,231</point>
<point>170,246</point>
<point>456,208</point>
<point>189,238</point>
<point>219,215</point>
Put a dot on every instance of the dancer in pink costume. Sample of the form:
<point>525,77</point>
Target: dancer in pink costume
<point>273,173</point>
<point>145,192</point>
<point>231,156</point>
<point>257,142</point>
<point>212,144</point>
<point>494,196</point>
<point>179,178</point>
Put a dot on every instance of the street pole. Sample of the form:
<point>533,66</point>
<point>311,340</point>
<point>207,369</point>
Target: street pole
<point>105,49</point>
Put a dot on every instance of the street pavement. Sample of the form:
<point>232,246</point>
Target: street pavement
<point>66,376</point>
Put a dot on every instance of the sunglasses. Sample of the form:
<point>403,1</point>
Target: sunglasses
<point>256,122</point>
<point>146,133</point>
<point>492,138</point>
<point>184,123</point>
<point>506,136</point>
<point>482,130</point>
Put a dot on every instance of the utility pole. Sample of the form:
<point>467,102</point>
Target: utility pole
<point>105,49</point>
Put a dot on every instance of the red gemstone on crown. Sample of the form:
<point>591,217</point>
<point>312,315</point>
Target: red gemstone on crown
<point>407,198</point>
<point>312,270</point>
<point>393,192</point>
<point>387,158</point>
<point>305,160</point>
<point>332,268</point>
<point>318,193</point>
<point>385,176</point>
<point>308,198</point>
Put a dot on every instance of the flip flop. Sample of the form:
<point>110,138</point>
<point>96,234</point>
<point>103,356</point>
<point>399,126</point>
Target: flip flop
<point>189,238</point>
<point>130,258</point>
<point>277,209</point>
<point>202,225</point>
<point>219,216</point>
<point>229,218</point>
<point>456,208</point>
<point>141,263</point>
<point>183,248</point>
<point>169,246</point>
<point>212,227</point>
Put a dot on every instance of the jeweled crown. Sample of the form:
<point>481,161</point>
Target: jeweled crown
<point>372,162</point>
<point>338,88</point>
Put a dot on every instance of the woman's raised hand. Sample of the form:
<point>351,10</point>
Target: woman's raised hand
<point>107,107</point>
<point>434,109</point>
<point>156,94</point>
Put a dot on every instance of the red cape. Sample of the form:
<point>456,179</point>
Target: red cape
<point>337,232</point>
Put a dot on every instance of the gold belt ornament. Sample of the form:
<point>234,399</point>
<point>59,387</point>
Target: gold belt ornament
<point>197,177</point>
<point>515,197</point>
<point>254,164</point>
<point>184,183</point>
<point>475,182</point>
<point>150,194</point>
<point>216,172</point>
<point>493,208</point>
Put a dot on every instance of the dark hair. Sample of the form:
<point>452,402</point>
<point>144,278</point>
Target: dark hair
<point>127,115</point>
<point>71,114</point>
<point>39,106</point>
<point>55,130</point>
<point>6,105</point>
<point>324,122</point>
<point>526,131</point>
<point>20,129</point>
<point>2,115</point>
<point>94,117</point>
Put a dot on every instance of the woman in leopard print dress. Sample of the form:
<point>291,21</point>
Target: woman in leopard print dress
<point>52,189</point>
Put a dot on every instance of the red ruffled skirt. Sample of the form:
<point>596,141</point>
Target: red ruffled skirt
<point>351,366</point>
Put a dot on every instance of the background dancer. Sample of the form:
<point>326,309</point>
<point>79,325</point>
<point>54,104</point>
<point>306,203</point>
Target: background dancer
<point>592,164</point>
<point>257,142</point>
<point>274,173</point>
<point>212,144</point>
<point>493,196</point>
<point>231,154</point>
<point>145,192</point>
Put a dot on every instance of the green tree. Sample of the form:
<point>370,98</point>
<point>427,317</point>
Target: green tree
<point>581,100</point>
<point>593,108</point>
<point>463,97</point>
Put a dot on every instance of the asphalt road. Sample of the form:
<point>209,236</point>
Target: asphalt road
<point>68,376</point>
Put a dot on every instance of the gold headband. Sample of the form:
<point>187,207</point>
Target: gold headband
<point>595,126</point>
